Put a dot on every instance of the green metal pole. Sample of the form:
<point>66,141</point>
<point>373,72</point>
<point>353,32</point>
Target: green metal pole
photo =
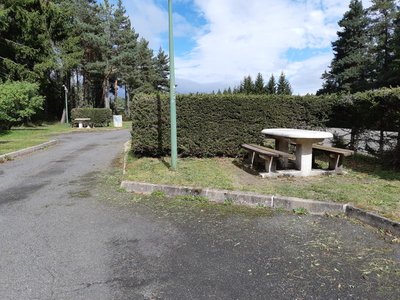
<point>66,103</point>
<point>174,146</point>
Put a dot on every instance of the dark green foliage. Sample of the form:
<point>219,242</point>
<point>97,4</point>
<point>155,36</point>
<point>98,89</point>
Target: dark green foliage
<point>259,85</point>
<point>271,85</point>
<point>161,62</point>
<point>382,16</point>
<point>87,45</point>
<point>367,51</point>
<point>216,125</point>
<point>99,117</point>
<point>248,85</point>
<point>349,66</point>
<point>283,87</point>
<point>372,110</point>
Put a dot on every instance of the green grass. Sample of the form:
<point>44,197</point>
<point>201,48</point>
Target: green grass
<point>22,137</point>
<point>366,185</point>
<point>191,171</point>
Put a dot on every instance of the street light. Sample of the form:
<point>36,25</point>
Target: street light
<point>66,103</point>
<point>174,146</point>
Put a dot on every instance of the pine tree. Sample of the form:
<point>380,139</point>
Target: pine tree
<point>283,86</point>
<point>248,85</point>
<point>147,73</point>
<point>348,70</point>
<point>382,22</point>
<point>259,85</point>
<point>329,85</point>
<point>161,64</point>
<point>25,46</point>
<point>270,88</point>
<point>394,78</point>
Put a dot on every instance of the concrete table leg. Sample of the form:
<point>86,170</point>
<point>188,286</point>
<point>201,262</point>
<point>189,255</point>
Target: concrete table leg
<point>304,158</point>
<point>283,145</point>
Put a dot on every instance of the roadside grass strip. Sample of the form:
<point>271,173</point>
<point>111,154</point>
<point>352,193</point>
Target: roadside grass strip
<point>366,185</point>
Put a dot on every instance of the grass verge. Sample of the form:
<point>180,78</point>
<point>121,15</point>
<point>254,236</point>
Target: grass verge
<point>366,185</point>
<point>22,137</point>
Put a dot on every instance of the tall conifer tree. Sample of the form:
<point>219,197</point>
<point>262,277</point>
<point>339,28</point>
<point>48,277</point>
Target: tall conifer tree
<point>382,26</point>
<point>283,86</point>
<point>348,70</point>
<point>271,85</point>
<point>259,84</point>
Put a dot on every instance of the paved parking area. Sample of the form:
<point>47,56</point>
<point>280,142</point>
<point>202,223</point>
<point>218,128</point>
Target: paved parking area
<point>68,232</point>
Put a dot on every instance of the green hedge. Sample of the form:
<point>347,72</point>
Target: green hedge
<point>216,125</point>
<point>99,117</point>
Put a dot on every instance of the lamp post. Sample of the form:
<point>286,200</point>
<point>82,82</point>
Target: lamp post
<point>172,98</point>
<point>66,103</point>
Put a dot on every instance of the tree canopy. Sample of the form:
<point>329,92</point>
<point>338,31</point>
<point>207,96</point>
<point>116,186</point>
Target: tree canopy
<point>367,51</point>
<point>89,47</point>
<point>258,87</point>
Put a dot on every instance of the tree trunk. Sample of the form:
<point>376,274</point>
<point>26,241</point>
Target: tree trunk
<point>398,141</point>
<point>354,139</point>
<point>78,94</point>
<point>127,101</point>
<point>115,89</point>
<point>105,98</point>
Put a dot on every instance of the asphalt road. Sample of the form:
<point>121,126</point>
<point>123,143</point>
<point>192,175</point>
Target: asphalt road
<point>68,232</point>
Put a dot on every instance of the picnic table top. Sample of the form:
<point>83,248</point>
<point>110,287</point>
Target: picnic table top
<point>82,119</point>
<point>297,133</point>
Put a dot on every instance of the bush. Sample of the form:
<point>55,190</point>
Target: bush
<point>216,125</point>
<point>99,117</point>
<point>19,101</point>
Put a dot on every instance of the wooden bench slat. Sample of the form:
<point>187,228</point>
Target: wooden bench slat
<point>267,151</point>
<point>264,151</point>
<point>270,156</point>
<point>329,149</point>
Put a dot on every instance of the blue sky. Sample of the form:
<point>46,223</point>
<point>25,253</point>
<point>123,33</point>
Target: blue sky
<point>218,42</point>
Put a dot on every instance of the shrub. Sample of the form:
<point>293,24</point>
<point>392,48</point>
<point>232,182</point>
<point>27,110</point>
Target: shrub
<point>98,116</point>
<point>216,125</point>
<point>19,101</point>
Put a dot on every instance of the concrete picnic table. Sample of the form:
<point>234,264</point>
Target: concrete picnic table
<point>81,121</point>
<point>304,139</point>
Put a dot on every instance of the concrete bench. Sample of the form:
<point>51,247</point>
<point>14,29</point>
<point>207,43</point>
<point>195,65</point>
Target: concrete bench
<point>270,156</point>
<point>336,155</point>
<point>82,122</point>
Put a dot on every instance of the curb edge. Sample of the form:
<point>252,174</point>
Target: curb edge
<point>22,152</point>
<point>254,199</point>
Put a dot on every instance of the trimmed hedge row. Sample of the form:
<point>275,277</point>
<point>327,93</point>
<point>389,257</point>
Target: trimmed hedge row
<point>216,125</point>
<point>372,110</point>
<point>99,117</point>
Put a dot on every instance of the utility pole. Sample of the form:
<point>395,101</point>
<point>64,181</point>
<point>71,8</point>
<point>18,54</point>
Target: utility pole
<point>172,97</point>
<point>66,103</point>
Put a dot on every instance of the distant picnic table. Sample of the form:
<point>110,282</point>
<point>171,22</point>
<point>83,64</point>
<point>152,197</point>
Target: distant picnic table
<point>82,122</point>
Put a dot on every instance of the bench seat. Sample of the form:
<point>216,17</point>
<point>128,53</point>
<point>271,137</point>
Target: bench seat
<point>269,155</point>
<point>336,155</point>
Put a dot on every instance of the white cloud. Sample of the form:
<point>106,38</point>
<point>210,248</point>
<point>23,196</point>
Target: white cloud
<point>244,37</point>
<point>150,20</point>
